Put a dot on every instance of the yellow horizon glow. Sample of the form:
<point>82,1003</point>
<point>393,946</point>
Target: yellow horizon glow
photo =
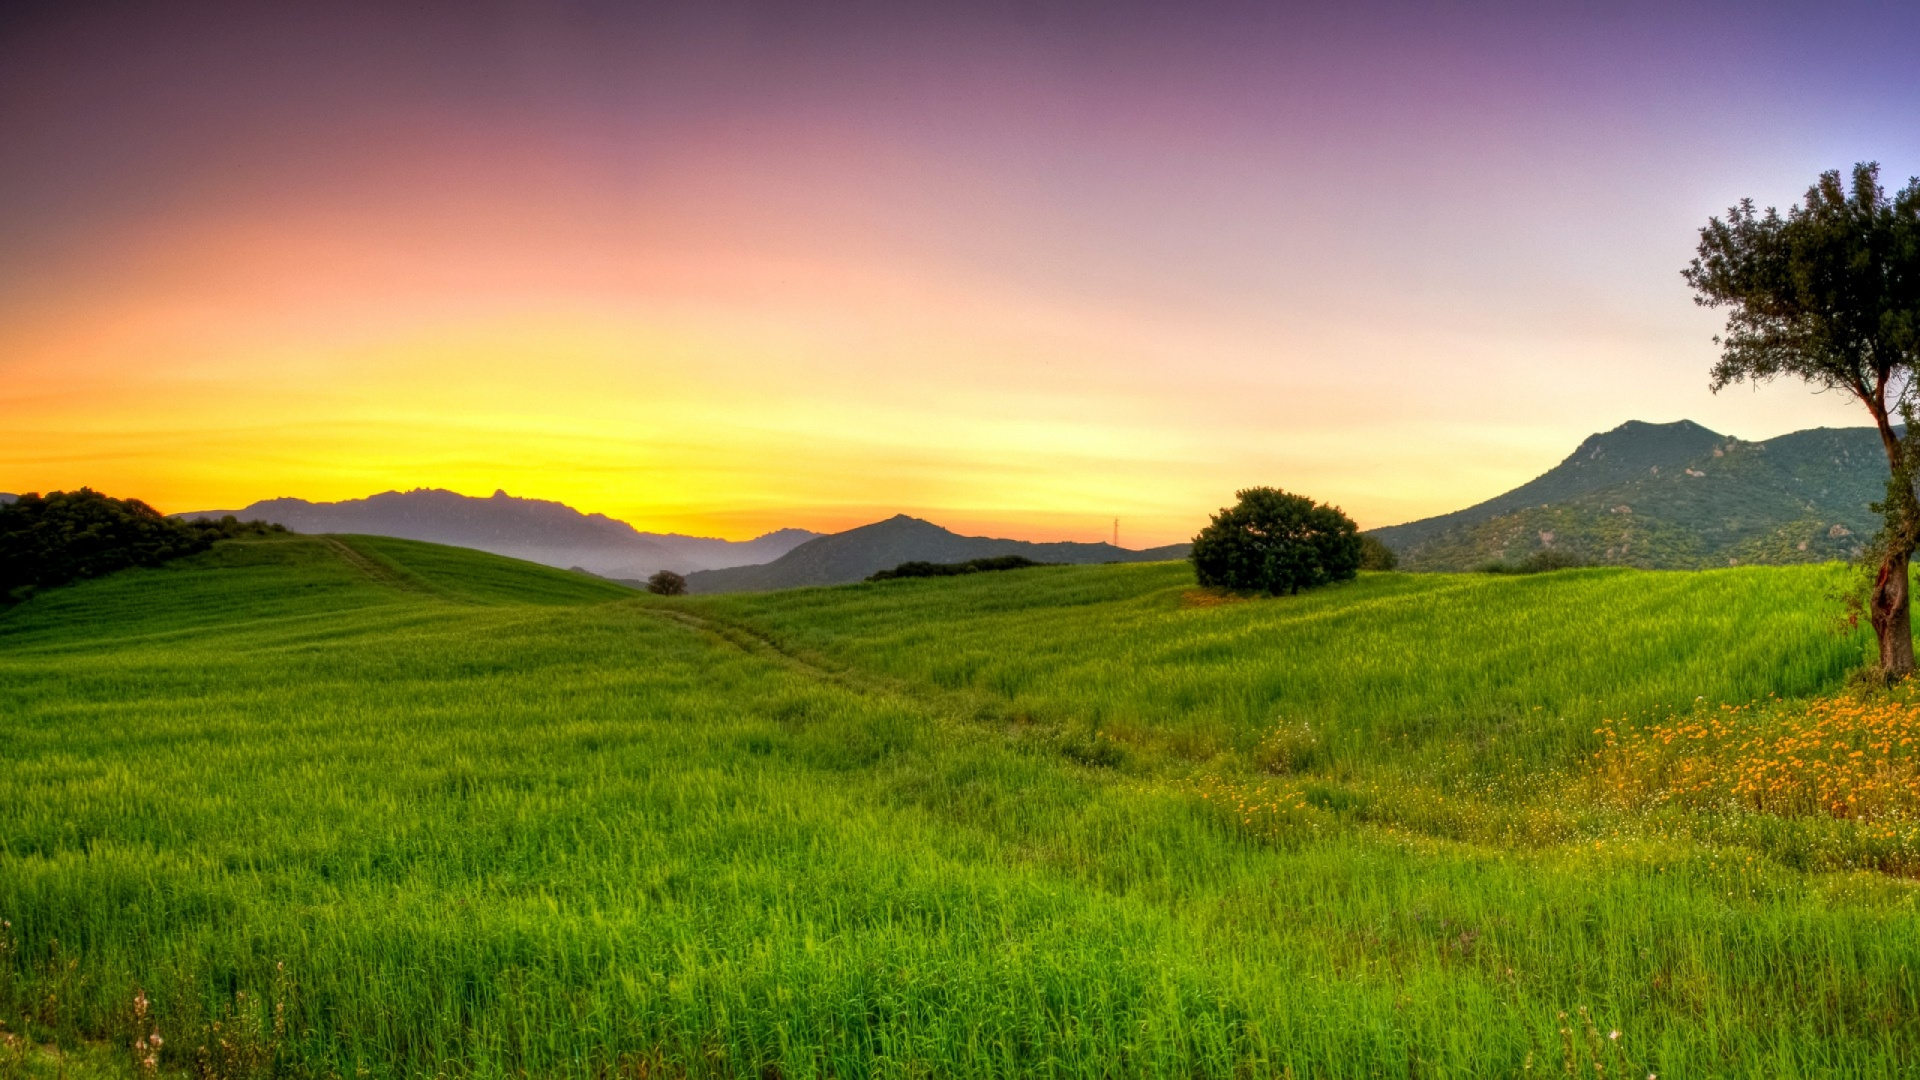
<point>716,273</point>
<point>766,372</point>
<point>690,419</point>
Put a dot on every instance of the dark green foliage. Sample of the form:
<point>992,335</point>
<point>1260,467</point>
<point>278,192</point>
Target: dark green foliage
<point>1274,542</point>
<point>1375,555</point>
<point>1829,294</point>
<point>971,566</point>
<point>667,583</point>
<point>69,535</point>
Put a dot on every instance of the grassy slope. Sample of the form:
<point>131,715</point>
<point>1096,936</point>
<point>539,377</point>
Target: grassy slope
<point>1127,650</point>
<point>287,581</point>
<point>492,818</point>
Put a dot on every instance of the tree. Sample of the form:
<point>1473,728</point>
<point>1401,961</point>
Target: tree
<point>1375,554</point>
<point>1275,543</point>
<point>1830,294</point>
<point>64,536</point>
<point>667,583</point>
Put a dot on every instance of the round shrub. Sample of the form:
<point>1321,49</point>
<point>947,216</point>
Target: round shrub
<point>1375,554</point>
<point>667,583</point>
<point>1274,542</point>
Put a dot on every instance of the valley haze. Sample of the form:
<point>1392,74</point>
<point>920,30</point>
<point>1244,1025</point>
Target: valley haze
<point>536,530</point>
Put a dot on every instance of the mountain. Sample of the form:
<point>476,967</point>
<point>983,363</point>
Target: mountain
<point>852,555</point>
<point>1671,496</point>
<point>7,497</point>
<point>532,529</point>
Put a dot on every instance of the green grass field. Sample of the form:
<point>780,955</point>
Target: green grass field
<point>362,807</point>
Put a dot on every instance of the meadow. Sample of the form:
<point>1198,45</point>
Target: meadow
<point>358,807</point>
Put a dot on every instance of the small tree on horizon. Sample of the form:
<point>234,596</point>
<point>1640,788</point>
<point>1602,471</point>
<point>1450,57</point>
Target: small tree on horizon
<point>1274,542</point>
<point>1376,555</point>
<point>666,583</point>
<point>1830,294</point>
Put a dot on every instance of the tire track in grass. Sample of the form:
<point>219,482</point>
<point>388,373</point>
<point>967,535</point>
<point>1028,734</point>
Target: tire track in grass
<point>964,705</point>
<point>980,711</point>
<point>757,642</point>
<point>376,571</point>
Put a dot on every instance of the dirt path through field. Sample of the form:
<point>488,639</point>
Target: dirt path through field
<point>756,641</point>
<point>968,707</point>
<point>375,571</point>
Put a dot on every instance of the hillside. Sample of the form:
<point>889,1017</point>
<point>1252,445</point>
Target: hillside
<point>852,555</point>
<point>377,806</point>
<point>536,530</point>
<point>1671,496</point>
<point>290,581</point>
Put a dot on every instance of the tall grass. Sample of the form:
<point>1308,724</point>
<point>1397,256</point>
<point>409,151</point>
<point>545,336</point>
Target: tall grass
<point>1377,665</point>
<point>455,817</point>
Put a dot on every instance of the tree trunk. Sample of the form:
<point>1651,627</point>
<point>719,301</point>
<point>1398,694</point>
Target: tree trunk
<point>1892,617</point>
<point>1888,606</point>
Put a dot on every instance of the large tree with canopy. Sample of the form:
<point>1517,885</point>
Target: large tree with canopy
<point>1830,294</point>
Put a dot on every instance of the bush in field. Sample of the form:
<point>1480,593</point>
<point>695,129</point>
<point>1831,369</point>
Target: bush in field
<point>971,566</point>
<point>1274,542</point>
<point>64,536</point>
<point>667,583</point>
<point>1375,554</point>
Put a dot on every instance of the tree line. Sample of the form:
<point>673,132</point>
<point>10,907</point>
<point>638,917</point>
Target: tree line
<point>65,536</point>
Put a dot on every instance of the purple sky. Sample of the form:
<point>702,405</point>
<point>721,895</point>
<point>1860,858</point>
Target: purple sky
<point>1010,266</point>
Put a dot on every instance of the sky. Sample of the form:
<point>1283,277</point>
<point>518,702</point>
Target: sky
<point>1021,269</point>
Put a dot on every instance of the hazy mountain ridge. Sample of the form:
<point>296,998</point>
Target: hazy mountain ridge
<point>852,555</point>
<point>1671,496</point>
<point>537,530</point>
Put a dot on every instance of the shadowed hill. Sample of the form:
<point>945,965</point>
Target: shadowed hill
<point>290,580</point>
<point>536,530</point>
<point>1671,496</point>
<point>852,555</point>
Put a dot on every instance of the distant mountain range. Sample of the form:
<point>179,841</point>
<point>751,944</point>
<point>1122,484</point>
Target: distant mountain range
<point>1671,496</point>
<point>1659,496</point>
<point>854,554</point>
<point>558,535</point>
<point>7,497</point>
<point>532,529</point>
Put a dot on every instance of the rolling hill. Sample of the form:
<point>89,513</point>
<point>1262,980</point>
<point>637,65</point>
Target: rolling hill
<point>536,530</point>
<point>356,806</point>
<point>1671,496</point>
<point>851,555</point>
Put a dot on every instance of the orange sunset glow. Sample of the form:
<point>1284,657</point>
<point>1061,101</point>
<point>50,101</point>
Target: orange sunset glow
<point>772,274</point>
